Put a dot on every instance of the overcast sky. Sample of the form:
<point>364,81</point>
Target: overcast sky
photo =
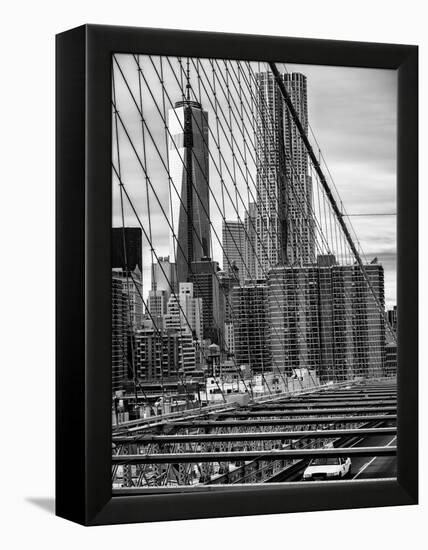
<point>352,113</point>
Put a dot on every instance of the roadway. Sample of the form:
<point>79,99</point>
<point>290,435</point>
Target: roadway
<point>216,436</point>
<point>375,467</point>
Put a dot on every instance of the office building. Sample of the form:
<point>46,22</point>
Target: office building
<point>206,285</point>
<point>391,359</point>
<point>234,246</point>
<point>185,312</point>
<point>226,283</point>
<point>191,311</point>
<point>270,176</point>
<point>250,226</point>
<point>126,257</point>
<point>164,276</point>
<point>251,326</point>
<point>325,318</point>
<point>229,338</point>
<point>293,317</point>
<point>157,302</point>
<point>300,219</point>
<point>284,225</point>
<point>119,351</point>
<point>157,354</point>
<point>188,167</point>
<point>133,290</point>
<point>369,322</point>
<point>391,316</point>
<point>126,249</point>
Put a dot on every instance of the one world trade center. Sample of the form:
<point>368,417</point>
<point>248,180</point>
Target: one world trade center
<point>188,166</point>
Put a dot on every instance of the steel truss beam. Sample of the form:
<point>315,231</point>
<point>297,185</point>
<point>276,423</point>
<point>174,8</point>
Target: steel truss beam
<point>348,395</point>
<point>327,397</point>
<point>338,401</point>
<point>342,396</point>
<point>320,393</point>
<point>300,412</point>
<point>249,436</point>
<point>232,456</point>
<point>205,413</point>
<point>268,422</point>
<point>324,405</point>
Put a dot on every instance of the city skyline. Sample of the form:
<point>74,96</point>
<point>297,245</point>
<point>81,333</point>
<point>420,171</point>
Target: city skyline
<point>282,216</point>
<point>376,234</point>
<point>252,292</point>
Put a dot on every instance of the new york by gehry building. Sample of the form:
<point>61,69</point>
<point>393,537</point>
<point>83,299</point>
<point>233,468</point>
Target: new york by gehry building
<point>285,224</point>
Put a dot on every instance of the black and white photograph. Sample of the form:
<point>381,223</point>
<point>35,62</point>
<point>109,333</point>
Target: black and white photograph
<point>214,275</point>
<point>253,273</point>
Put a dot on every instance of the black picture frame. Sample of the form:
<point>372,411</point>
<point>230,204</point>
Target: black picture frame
<point>83,277</point>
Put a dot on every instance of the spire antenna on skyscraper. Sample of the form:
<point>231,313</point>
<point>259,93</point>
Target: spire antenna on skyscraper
<point>189,169</point>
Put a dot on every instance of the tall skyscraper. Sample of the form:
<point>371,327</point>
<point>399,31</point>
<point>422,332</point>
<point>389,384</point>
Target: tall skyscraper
<point>127,265</point>
<point>206,286</point>
<point>325,317</point>
<point>164,277</point>
<point>234,245</point>
<point>229,338</point>
<point>191,310</point>
<point>391,317</point>
<point>226,283</point>
<point>126,248</point>
<point>183,318</point>
<point>300,220</point>
<point>285,225</point>
<point>250,224</point>
<point>157,302</point>
<point>133,290</point>
<point>354,345</point>
<point>184,312</point>
<point>119,352</point>
<point>369,324</point>
<point>270,176</point>
<point>293,317</point>
<point>251,326</point>
<point>188,167</point>
<point>391,359</point>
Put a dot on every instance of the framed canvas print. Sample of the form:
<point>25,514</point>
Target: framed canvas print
<point>236,275</point>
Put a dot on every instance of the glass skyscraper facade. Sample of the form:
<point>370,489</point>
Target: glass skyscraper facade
<point>285,223</point>
<point>189,171</point>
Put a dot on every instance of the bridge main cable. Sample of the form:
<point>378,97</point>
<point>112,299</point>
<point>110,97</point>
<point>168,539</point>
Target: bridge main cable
<point>324,182</point>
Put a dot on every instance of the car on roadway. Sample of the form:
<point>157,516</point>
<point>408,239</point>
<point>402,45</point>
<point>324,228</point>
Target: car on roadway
<point>327,467</point>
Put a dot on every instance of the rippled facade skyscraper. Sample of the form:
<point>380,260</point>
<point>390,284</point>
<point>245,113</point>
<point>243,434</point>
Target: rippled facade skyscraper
<point>285,223</point>
<point>300,218</point>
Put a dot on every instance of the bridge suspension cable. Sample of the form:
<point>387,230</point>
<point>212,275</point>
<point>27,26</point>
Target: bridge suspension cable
<point>250,188</point>
<point>323,180</point>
